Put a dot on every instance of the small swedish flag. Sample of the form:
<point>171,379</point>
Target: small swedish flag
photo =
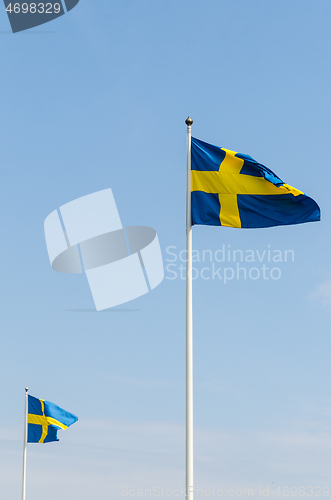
<point>45,419</point>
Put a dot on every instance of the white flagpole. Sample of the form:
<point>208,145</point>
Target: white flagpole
<point>189,330</point>
<point>25,443</point>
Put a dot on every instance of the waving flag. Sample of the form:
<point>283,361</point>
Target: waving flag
<point>234,190</point>
<point>45,419</point>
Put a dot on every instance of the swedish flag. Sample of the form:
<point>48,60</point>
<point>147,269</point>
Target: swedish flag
<point>45,419</point>
<point>234,190</point>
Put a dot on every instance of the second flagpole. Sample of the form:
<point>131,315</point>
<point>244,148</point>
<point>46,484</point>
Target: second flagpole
<point>189,326</point>
<point>25,443</point>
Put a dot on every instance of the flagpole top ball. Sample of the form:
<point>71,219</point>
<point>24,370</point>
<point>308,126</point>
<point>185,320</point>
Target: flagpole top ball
<point>189,121</point>
<point>26,389</point>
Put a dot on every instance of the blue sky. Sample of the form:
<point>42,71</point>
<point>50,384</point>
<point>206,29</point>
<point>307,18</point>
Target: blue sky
<point>98,99</point>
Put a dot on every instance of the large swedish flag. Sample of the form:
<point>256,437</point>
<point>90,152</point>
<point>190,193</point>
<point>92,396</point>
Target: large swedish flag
<point>45,419</point>
<point>232,189</point>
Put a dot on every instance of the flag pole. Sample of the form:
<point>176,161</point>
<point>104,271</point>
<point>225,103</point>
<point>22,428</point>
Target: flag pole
<point>189,330</point>
<point>25,443</point>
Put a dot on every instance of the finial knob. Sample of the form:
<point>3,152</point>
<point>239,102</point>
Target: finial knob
<point>188,121</point>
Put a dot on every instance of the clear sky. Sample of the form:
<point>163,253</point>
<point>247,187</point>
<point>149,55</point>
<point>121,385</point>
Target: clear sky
<point>97,99</point>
